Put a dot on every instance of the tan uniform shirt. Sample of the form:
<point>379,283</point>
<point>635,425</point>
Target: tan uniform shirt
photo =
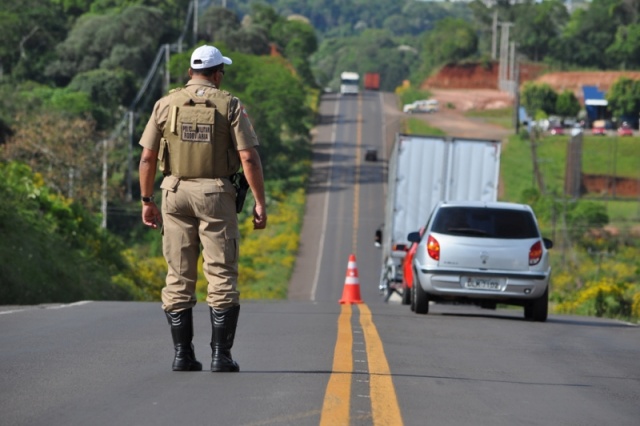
<point>242,133</point>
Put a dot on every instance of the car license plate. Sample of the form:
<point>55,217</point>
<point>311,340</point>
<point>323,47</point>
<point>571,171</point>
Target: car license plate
<point>481,283</point>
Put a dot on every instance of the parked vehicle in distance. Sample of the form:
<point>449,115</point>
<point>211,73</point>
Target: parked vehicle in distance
<point>599,127</point>
<point>625,130</point>
<point>598,131</point>
<point>482,253</point>
<point>556,131</point>
<point>424,105</point>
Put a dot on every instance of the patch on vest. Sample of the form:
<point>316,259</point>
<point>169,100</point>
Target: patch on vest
<point>196,133</point>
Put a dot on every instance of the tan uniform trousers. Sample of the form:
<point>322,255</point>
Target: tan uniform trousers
<point>199,212</point>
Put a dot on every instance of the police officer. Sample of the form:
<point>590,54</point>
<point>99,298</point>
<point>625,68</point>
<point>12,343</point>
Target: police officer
<point>199,136</point>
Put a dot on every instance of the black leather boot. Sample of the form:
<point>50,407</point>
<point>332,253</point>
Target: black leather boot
<point>182,333</point>
<point>223,323</point>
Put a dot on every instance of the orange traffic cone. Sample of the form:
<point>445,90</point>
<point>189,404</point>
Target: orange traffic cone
<point>351,292</point>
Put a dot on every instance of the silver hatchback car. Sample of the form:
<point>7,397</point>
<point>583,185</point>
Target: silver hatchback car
<point>484,254</point>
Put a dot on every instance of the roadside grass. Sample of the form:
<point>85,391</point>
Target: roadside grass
<point>407,95</point>
<point>601,155</point>
<point>502,117</point>
<point>417,126</point>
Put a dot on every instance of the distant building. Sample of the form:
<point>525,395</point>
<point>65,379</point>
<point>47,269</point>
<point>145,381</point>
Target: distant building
<point>595,103</point>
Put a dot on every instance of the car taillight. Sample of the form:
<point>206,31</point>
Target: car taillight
<point>433,248</point>
<point>535,253</point>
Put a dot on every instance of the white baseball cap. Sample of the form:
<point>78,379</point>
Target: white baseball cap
<point>207,57</point>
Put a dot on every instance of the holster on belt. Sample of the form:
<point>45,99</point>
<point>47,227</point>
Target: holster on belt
<point>242,186</point>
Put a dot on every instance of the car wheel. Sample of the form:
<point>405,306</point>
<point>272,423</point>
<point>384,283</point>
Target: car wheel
<point>538,310</point>
<point>420,298</point>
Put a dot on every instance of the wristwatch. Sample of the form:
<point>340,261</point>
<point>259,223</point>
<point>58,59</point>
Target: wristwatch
<point>147,199</point>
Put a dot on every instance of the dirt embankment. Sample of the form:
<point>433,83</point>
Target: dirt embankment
<point>476,76</point>
<point>460,88</point>
<point>485,76</point>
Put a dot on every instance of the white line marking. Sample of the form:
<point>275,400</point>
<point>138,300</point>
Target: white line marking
<point>325,212</point>
<point>67,305</point>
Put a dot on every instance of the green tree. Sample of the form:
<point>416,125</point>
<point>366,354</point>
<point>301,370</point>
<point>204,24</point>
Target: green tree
<point>626,46</point>
<point>537,25</point>
<point>587,36</point>
<point>624,97</point>
<point>298,41</point>
<point>128,39</point>
<point>109,91</point>
<point>75,258</point>
<point>538,97</point>
<point>276,102</point>
<point>452,40</point>
<point>73,7</point>
<point>370,51</point>
<point>59,146</point>
<point>29,30</point>
<point>218,24</point>
<point>567,105</point>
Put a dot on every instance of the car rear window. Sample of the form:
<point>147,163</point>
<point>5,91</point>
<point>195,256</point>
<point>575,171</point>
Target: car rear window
<point>485,222</point>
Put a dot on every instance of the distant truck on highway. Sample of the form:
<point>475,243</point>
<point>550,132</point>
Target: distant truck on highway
<point>424,170</point>
<point>372,81</point>
<point>349,83</point>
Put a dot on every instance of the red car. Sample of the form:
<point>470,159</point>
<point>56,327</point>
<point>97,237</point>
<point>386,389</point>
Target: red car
<point>625,130</point>
<point>556,130</point>
<point>598,131</point>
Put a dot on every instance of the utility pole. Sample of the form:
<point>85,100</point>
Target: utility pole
<point>512,67</point>
<point>103,201</point>
<point>129,196</point>
<point>494,35</point>
<point>516,96</point>
<point>504,54</point>
<point>534,138</point>
<point>195,21</point>
<point>167,72</point>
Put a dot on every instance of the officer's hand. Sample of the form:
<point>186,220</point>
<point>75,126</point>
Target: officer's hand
<point>259,217</point>
<point>151,216</point>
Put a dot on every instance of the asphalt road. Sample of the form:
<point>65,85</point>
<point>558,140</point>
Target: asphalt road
<point>311,360</point>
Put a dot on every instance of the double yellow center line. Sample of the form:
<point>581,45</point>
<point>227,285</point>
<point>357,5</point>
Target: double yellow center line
<point>337,400</point>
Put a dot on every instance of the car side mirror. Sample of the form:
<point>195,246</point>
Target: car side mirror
<point>414,237</point>
<point>547,243</point>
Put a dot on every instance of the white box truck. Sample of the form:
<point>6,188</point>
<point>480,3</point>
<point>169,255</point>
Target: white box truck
<point>423,171</point>
<point>349,83</point>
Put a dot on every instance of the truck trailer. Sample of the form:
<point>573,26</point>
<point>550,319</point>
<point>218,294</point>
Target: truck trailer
<point>424,170</point>
<point>371,81</point>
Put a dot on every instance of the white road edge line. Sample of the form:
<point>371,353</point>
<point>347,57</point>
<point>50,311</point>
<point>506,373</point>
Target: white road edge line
<point>67,305</point>
<point>325,212</point>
